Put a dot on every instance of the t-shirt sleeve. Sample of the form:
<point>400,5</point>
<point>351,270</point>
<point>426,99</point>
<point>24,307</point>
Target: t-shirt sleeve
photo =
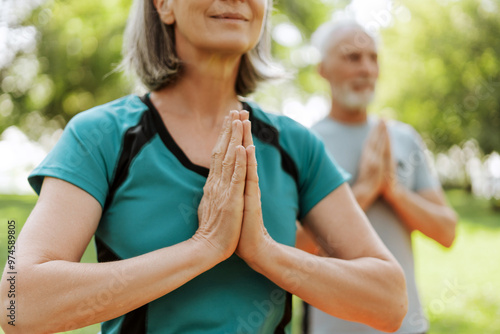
<point>81,157</point>
<point>424,176</point>
<point>319,174</point>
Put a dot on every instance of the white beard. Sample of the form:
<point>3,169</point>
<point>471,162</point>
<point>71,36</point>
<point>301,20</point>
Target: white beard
<point>351,99</point>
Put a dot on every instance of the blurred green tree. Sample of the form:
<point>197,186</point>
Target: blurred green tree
<point>441,71</point>
<point>79,44</point>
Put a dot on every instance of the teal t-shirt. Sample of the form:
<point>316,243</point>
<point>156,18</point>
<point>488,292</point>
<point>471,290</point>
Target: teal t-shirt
<point>122,154</point>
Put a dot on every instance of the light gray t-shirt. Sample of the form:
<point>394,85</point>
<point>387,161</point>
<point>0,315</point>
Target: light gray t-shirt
<point>345,143</point>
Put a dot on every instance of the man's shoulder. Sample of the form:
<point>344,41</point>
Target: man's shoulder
<point>401,131</point>
<point>325,122</point>
<point>326,127</point>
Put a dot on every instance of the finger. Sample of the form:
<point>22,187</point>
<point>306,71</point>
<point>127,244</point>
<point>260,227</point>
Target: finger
<point>247,133</point>
<point>220,148</point>
<point>388,151</point>
<point>374,136</point>
<point>235,114</point>
<point>237,186</point>
<point>244,115</point>
<point>379,145</point>
<point>383,136</point>
<point>229,159</point>
<point>252,178</point>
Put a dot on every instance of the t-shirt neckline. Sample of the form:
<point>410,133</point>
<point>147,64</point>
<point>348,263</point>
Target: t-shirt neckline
<point>169,141</point>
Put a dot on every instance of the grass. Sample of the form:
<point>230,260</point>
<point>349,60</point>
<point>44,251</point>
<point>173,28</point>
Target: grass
<point>460,287</point>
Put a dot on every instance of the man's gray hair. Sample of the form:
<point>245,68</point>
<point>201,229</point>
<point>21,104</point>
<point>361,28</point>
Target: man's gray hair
<point>149,52</point>
<point>329,34</point>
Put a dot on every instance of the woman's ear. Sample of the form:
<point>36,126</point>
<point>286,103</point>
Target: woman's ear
<point>165,10</point>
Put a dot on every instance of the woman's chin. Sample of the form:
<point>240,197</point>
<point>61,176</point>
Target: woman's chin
<point>230,48</point>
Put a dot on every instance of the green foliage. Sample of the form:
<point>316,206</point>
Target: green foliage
<point>79,46</point>
<point>441,71</point>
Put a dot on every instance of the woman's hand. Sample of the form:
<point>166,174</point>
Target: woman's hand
<point>220,212</point>
<point>254,237</point>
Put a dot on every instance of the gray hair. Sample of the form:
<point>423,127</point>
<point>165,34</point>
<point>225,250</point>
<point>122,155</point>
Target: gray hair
<point>149,52</point>
<point>328,34</point>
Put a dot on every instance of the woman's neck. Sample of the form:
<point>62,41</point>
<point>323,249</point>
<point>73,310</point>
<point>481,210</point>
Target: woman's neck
<point>206,88</point>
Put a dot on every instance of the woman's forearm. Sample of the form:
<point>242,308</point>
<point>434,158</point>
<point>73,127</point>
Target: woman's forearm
<point>368,290</point>
<point>59,295</point>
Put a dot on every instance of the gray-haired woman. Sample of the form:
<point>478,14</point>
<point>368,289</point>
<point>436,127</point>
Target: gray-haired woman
<point>193,236</point>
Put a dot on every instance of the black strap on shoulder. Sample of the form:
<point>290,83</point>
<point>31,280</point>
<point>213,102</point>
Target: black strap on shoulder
<point>270,135</point>
<point>133,141</point>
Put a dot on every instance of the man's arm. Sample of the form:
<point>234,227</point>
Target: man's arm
<point>426,211</point>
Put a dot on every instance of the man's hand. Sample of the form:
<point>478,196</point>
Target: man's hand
<point>373,166</point>
<point>390,185</point>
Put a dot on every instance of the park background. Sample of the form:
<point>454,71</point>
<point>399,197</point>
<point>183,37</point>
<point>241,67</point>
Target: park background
<point>440,72</point>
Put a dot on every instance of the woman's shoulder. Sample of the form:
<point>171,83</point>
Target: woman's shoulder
<point>282,123</point>
<point>118,114</point>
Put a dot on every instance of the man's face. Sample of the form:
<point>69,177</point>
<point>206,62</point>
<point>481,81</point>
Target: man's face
<point>351,67</point>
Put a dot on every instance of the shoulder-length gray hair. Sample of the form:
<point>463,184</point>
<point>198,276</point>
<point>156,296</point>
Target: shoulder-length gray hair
<point>149,52</point>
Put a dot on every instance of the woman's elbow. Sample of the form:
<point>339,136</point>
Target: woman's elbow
<point>15,293</point>
<point>397,304</point>
<point>8,303</point>
<point>8,321</point>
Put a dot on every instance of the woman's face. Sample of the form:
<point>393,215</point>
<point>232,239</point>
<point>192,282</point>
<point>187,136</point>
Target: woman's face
<point>220,26</point>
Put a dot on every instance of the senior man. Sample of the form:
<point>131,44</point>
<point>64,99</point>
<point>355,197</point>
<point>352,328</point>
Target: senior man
<point>391,180</point>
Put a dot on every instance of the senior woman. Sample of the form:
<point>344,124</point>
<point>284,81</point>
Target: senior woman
<point>193,236</point>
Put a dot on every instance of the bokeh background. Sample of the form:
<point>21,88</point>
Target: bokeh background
<point>440,72</point>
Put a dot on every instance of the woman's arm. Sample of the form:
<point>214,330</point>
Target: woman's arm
<point>56,293</point>
<point>361,281</point>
